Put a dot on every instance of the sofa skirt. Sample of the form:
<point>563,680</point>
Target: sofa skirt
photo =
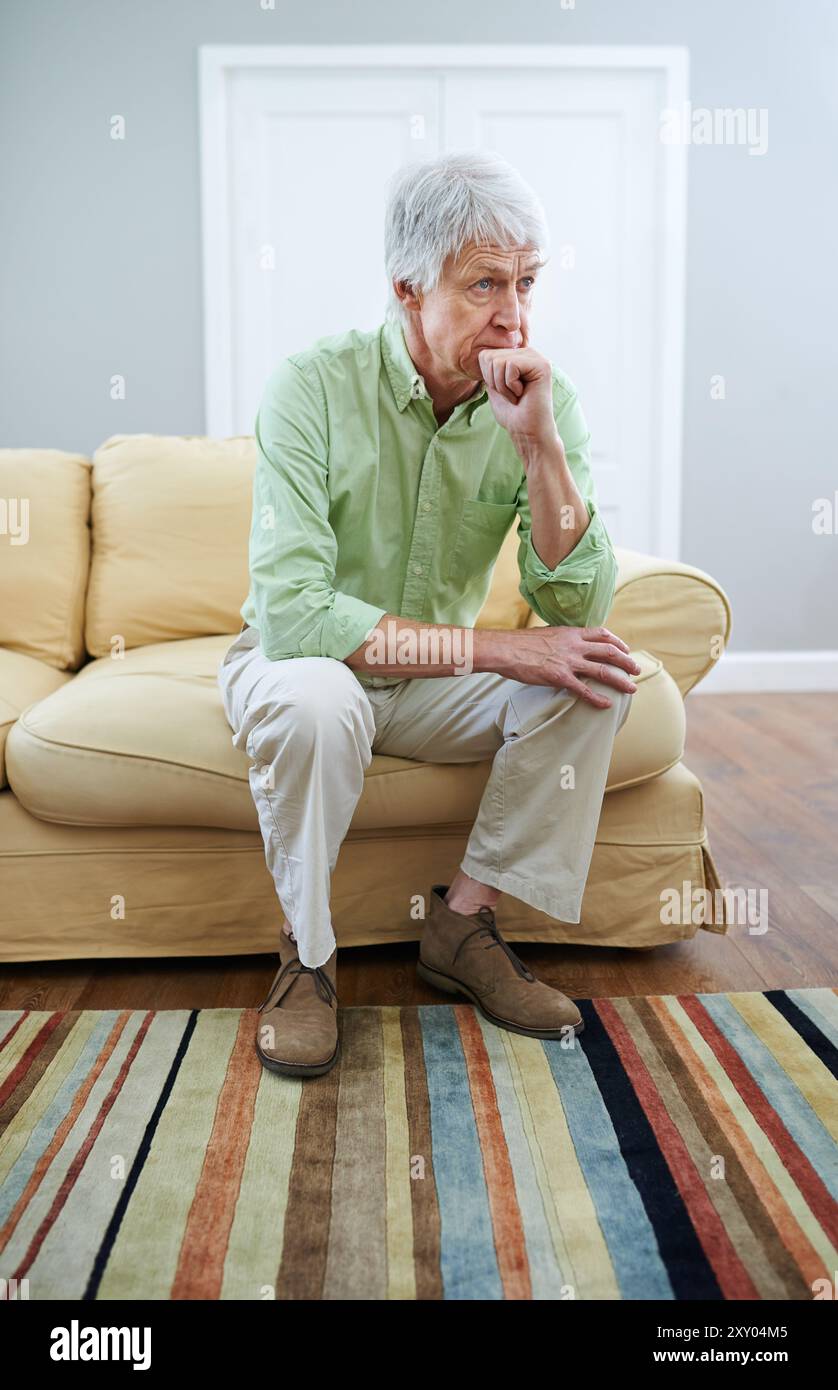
<point>79,892</point>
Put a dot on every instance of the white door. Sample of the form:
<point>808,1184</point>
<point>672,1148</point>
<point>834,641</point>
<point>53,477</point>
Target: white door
<point>294,208</point>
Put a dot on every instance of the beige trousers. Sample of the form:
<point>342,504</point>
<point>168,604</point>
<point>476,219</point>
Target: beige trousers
<point>310,728</point>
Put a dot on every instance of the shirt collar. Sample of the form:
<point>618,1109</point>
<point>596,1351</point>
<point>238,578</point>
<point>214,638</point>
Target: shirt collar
<point>407,383</point>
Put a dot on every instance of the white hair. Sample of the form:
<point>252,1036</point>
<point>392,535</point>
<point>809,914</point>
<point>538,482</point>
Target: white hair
<point>436,207</point>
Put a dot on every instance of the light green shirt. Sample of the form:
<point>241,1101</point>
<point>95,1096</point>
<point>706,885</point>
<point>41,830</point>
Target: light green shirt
<point>364,505</point>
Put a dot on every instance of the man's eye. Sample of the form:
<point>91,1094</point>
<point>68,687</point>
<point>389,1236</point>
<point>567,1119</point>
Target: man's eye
<point>486,280</point>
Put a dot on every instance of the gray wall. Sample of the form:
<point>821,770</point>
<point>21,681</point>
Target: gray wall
<point>101,265</point>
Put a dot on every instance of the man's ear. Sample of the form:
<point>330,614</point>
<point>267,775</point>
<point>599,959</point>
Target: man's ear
<point>406,294</point>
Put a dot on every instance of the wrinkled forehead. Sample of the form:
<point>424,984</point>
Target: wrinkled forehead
<point>484,258</point>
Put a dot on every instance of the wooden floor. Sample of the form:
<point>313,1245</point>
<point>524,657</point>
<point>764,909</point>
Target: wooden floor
<point>769,767</point>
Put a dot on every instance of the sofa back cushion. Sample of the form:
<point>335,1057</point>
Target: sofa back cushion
<point>44,553</point>
<point>505,606</point>
<point>171,520</point>
<point>170,525</point>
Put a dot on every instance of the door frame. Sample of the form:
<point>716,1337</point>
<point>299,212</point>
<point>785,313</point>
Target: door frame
<point>217,61</point>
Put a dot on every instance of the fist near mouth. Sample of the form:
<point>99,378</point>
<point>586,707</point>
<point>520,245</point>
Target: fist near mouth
<point>519,382</point>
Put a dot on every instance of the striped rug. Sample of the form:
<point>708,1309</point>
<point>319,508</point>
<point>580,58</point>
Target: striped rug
<point>683,1148</point>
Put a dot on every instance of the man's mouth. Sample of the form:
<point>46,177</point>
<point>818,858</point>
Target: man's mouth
<point>499,347</point>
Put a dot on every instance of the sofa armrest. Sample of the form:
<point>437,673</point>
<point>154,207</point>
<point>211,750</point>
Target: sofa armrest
<point>675,611</point>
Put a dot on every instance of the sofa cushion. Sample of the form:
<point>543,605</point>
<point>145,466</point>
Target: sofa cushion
<point>23,680</point>
<point>170,518</point>
<point>143,740</point>
<point>505,605</point>
<point>44,553</point>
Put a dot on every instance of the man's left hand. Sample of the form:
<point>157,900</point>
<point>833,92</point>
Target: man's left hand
<point>519,382</point>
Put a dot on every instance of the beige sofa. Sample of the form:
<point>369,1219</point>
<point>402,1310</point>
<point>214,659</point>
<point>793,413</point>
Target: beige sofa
<point>126,821</point>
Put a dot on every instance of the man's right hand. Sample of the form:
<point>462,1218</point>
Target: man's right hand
<point>560,656</point>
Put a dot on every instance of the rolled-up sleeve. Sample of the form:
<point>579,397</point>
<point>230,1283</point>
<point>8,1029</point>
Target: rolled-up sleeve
<point>293,549</point>
<point>580,590</point>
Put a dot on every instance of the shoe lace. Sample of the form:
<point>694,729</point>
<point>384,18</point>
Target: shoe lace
<point>489,929</point>
<point>322,983</point>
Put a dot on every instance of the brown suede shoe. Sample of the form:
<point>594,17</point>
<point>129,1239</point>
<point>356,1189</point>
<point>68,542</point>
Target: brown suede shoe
<point>467,955</point>
<point>297,1032</point>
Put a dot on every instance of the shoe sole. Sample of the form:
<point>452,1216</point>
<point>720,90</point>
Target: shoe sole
<point>298,1068</point>
<point>452,986</point>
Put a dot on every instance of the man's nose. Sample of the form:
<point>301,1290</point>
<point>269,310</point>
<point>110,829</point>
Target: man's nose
<point>508,316</point>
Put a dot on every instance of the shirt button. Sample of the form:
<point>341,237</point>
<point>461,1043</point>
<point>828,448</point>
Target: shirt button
<point>417,569</point>
<point>426,506</point>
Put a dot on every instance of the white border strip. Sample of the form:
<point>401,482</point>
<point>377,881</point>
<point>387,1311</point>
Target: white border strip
<point>765,672</point>
<point>671,315</point>
<point>215,239</point>
<point>472,55</point>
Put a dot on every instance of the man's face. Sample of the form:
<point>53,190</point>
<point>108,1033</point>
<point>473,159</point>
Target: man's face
<point>483,300</point>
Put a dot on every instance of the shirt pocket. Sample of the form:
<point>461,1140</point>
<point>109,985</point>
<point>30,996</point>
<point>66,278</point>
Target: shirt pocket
<point>480,535</point>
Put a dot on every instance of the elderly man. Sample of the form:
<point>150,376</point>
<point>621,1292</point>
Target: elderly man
<point>391,464</point>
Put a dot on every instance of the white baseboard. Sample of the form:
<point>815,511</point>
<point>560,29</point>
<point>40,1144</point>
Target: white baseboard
<point>761,672</point>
